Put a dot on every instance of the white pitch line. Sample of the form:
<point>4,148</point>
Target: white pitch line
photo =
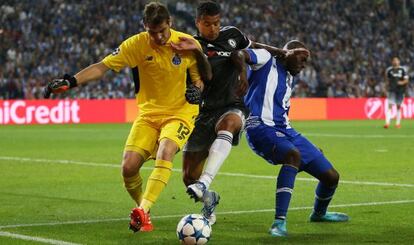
<point>92,164</point>
<point>368,136</point>
<point>381,150</point>
<point>218,213</point>
<point>35,239</point>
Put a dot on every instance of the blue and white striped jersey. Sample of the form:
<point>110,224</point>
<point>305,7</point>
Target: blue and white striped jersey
<point>270,88</point>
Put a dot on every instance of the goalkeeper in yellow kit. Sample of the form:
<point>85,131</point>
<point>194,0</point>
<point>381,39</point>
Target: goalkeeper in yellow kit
<point>167,105</point>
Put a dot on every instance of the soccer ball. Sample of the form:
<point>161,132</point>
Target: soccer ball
<point>193,229</point>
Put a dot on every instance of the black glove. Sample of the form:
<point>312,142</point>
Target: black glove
<point>193,94</point>
<point>59,85</point>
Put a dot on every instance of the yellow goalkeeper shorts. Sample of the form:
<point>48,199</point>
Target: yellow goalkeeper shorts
<point>146,133</point>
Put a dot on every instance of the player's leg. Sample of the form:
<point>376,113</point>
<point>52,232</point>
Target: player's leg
<point>193,163</point>
<point>142,140</point>
<point>263,140</point>
<point>195,153</point>
<point>315,163</point>
<point>227,126</point>
<point>131,163</point>
<point>399,100</point>
<point>173,135</point>
<point>284,187</point>
<point>391,101</point>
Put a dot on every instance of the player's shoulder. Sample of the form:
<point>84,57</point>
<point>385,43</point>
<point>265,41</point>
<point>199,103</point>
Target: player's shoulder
<point>389,68</point>
<point>231,30</point>
<point>181,34</point>
<point>404,68</point>
<point>136,39</point>
<point>259,52</point>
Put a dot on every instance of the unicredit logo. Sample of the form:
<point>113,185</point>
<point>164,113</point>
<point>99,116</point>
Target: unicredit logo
<point>18,112</point>
<point>374,108</point>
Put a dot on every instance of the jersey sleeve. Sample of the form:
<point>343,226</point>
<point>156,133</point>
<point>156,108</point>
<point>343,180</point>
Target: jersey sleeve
<point>405,73</point>
<point>122,56</point>
<point>258,58</point>
<point>243,41</point>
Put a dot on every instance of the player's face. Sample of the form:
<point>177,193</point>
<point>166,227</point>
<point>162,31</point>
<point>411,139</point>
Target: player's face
<point>208,26</point>
<point>159,33</point>
<point>297,63</point>
<point>395,62</point>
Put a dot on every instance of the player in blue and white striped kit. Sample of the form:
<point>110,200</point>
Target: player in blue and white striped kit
<point>271,136</point>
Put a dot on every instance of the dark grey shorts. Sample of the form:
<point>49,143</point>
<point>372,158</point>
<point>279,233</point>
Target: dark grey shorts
<point>395,98</point>
<point>205,131</point>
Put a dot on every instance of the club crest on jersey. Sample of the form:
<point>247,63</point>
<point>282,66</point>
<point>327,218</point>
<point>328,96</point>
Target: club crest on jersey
<point>176,60</point>
<point>232,43</point>
<point>116,51</point>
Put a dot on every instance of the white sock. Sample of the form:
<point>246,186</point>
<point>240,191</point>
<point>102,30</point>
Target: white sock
<point>398,117</point>
<point>387,116</point>
<point>219,151</point>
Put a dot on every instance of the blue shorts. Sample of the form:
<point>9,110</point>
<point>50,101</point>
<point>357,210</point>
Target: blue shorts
<point>273,144</point>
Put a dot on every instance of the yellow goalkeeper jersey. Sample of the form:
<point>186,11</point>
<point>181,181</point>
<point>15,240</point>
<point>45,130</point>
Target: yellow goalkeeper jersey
<point>162,73</point>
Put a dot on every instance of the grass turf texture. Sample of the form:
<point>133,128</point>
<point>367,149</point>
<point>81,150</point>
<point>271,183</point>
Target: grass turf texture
<point>39,186</point>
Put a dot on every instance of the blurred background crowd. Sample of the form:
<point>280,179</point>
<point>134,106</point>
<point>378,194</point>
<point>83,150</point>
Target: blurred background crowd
<point>352,41</point>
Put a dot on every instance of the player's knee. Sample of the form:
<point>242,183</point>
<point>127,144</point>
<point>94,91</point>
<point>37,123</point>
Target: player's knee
<point>293,158</point>
<point>231,123</point>
<point>167,150</point>
<point>130,164</point>
<point>332,178</point>
<point>129,168</point>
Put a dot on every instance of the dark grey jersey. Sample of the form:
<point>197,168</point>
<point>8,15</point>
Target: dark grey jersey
<point>395,75</point>
<point>220,91</point>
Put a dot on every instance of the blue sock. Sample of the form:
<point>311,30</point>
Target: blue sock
<point>285,183</point>
<point>323,196</point>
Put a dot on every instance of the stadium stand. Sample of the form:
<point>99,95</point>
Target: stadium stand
<point>352,42</point>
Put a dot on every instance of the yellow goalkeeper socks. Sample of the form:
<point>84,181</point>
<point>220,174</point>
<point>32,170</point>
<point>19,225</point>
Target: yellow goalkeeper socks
<point>134,187</point>
<point>156,183</point>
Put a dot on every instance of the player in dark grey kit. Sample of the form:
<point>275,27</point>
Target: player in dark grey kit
<point>397,80</point>
<point>222,113</point>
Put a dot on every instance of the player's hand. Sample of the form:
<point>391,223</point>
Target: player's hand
<point>193,94</point>
<point>185,44</point>
<point>401,83</point>
<point>60,85</point>
<point>297,52</point>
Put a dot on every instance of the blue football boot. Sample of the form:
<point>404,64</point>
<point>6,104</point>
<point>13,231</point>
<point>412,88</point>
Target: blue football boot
<point>278,228</point>
<point>328,217</point>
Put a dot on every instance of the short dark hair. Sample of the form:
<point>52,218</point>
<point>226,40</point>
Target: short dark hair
<point>292,44</point>
<point>210,8</point>
<point>155,13</point>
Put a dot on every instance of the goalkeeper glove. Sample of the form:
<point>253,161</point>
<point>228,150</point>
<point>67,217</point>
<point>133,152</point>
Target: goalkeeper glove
<point>193,94</point>
<point>60,85</point>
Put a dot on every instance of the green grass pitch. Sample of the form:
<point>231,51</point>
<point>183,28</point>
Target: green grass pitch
<point>61,184</point>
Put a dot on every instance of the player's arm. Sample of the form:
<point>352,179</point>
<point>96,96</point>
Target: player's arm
<point>91,73</point>
<point>239,59</point>
<point>404,80</point>
<point>386,82</point>
<point>278,52</point>
<point>115,61</point>
<point>60,85</point>
<point>190,44</point>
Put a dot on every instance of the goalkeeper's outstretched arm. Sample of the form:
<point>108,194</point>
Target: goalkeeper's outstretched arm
<point>90,73</point>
